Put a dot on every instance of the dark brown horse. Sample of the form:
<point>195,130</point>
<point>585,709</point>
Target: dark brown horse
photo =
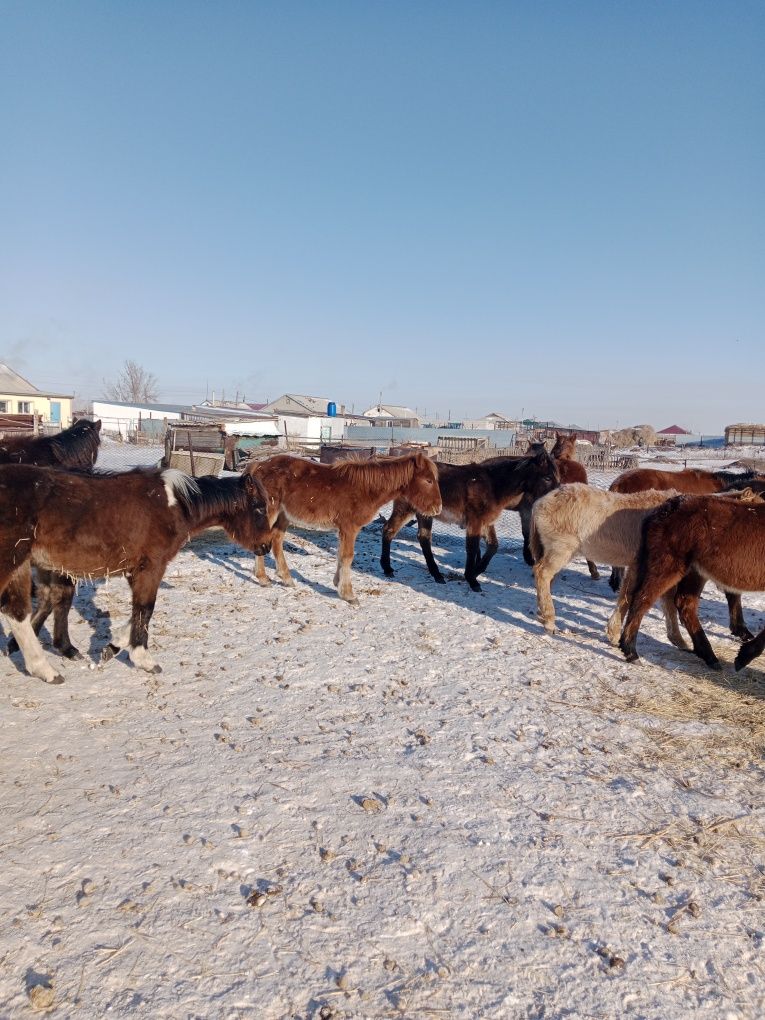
<point>474,495</point>
<point>685,542</point>
<point>340,497</point>
<point>133,523</point>
<point>570,470</point>
<point>75,447</point>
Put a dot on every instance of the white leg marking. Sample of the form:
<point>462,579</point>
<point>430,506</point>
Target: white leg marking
<point>37,662</point>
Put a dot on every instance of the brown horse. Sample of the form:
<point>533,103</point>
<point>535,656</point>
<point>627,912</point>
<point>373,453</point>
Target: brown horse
<point>685,542</point>
<point>692,481</point>
<point>340,497</point>
<point>570,470</point>
<point>473,496</point>
<point>132,523</point>
<point>75,447</point>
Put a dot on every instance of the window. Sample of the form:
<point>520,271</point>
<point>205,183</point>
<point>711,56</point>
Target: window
<point>25,407</point>
<point>3,406</point>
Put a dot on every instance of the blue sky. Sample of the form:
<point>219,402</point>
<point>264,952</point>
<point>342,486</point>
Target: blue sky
<point>547,207</point>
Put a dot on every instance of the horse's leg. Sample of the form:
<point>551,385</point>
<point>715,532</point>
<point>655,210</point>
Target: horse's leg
<point>616,578</point>
<point>614,625</point>
<point>645,590</point>
<point>687,601</point>
<point>524,512</point>
<point>750,650</point>
<point>669,606</point>
<point>424,531</point>
<point>492,544</point>
<point>553,559</point>
<point>473,554</point>
<point>16,604</point>
<point>345,546</point>
<point>134,636</point>
<point>60,595</point>
<point>594,572</point>
<point>400,514</point>
<point>738,627</point>
<point>277,550</point>
<point>260,572</point>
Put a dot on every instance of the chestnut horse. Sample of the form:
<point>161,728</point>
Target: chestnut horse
<point>340,497</point>
<point>474,495</point>
<point>75,447</point>
<point>570,470</point>
<point>132,523</point>
<point>692,481</point>
<point>685,542</point>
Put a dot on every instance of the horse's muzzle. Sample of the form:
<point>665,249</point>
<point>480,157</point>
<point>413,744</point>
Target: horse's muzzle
<point>262,550</point>
<point>438,507</point>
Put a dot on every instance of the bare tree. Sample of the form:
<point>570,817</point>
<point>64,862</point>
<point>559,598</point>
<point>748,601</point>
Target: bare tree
<point>133,385</point>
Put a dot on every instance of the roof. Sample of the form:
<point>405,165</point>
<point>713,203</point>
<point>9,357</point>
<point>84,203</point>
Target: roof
<point>12,382</point>
<point>162,408</point>
<point>303,403</point>
<point>390,411</point>
<point>673,430</point>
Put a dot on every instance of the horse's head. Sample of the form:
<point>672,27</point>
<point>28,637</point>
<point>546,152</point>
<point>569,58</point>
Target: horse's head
<point>256,531</point>
<point>564,446</point>
<point>541,474</point>
<point>423,492</point>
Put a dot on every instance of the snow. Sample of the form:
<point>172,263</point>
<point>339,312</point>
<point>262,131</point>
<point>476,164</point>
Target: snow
<point>422,807</point>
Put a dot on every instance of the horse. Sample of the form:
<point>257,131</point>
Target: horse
<point>340,497</point>
<point>686,542</point>
<point>130,523</point>
<point>579,519</point>
<point>570,470</point>
<point>693,481</point>
<point>473,496</point>
<point>75,447</point>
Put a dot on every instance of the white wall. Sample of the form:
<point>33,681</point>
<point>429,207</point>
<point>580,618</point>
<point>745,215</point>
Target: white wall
<point>310,426</point>
<point>117,418</point>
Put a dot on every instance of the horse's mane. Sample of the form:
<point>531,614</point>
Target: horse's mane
<point>736,479</point>
<point>78,445</point>
<point>367,474</point>
<point>75,447</point>
<point>209,496</point>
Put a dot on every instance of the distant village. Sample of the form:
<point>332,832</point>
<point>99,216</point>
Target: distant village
<point>303,421</point>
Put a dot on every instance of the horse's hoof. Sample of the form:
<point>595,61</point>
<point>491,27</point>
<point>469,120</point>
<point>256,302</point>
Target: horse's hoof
<point>156,668</point>
<point>56,681</point>
<point>743,634</point>
<point>71,653</point>
<point>264,582</point>
<point>595,575</point>
<point>439,579</point>
<point>388,572</point>
<point>109,652</point>
<point>716,665</point>
<point>475,586</point>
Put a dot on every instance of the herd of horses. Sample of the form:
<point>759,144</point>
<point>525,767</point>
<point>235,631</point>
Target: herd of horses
<point>663,533</point>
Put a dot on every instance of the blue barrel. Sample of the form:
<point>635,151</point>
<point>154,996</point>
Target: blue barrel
<point>332,409</point>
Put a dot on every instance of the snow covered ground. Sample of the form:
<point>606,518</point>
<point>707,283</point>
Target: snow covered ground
<point>422,807</point>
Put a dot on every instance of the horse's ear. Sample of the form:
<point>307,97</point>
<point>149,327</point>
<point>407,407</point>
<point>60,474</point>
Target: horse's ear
<point>254,486</point>
<point>573,436</point>
<point>97,425</point>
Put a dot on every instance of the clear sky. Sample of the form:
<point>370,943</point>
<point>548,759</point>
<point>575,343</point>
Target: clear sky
<point>549,207</point>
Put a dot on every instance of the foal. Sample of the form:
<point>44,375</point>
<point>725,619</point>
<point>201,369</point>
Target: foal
<point>474,495</point>
<point>687,541</point>
<point>340,497</point>
<point>96,525</point>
